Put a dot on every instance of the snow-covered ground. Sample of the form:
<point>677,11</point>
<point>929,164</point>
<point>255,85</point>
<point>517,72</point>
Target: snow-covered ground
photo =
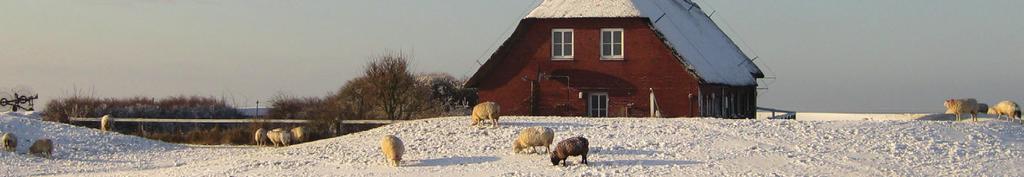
<point>84,150</point>
<point>619,147</point>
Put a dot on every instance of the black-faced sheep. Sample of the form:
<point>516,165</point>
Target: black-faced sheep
<point>533,137</point>
<point>393,149</point>
<point>576,146</point>
<point>10,142</point>
<point>280,137</point>
<point>299,134</point>
<point>487,111</point>
<point>1007,108</point>
<point>260,137</point>
<point>107,123</point>
<point>960,106</point>
<point>42,148</point>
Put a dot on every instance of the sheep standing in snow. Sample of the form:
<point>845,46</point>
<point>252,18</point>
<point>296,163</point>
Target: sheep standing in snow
<point>107,123</point>
<point>575,146</point>
<point>486,111</point>
<point>10,142</point>
<point>1008,108</point>
<point>533,137</point>
<point>393,149</point>
<point>280,137</point>
<point>42,148</point>
<point>299,134</point>
<point>260,137</point>
<point>960,106</point>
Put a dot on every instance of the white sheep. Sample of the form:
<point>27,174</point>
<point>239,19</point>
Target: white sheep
<point>1008,108</point>
<point>393,149</point>
<point>280,137</point>
<point>260,137</point>
<point>299,134</point>
<point>42,148</point>
<point>107,123</point>
<point>961,106</point>
<point>533,137</point>
<point>486,111</point>
<point>10,142</point>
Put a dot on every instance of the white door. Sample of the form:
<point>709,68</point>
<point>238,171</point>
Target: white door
<point>598,104</point>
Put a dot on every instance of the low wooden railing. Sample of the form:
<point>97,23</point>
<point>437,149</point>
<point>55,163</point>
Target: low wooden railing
<point>226,121</point>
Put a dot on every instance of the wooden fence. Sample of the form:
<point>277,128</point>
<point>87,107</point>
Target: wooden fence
<point>227,121</point>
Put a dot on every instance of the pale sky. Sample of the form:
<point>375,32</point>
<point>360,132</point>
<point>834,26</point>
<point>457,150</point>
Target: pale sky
<point>836,56</point>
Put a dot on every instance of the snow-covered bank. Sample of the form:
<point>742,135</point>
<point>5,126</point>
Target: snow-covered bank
<point>619,147</point>
<point>79,150</point>
<point>856,116</point>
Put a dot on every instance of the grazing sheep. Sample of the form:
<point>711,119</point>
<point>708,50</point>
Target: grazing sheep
<point>280,137</point>
<point>1008,108</point>
<point>575,146</point>
<point>299,134</point>
<point>10,142</point>
<point>533,137</point>
<point>260,137</point>
<point>961,106</point>
<point>107,123</point>
<point>42,148</point>
<point>393,149</point>
<point>486,111</point>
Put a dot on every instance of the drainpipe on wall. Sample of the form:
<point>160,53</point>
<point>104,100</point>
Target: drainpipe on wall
<point>654,105</point>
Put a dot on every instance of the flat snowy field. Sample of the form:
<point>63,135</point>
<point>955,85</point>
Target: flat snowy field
<point>619,147</point>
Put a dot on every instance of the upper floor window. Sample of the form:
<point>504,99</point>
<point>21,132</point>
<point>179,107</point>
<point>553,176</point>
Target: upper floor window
<point>561,44</point>
<point>611,43</point>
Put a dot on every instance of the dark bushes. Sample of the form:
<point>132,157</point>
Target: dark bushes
<point>139,107</point>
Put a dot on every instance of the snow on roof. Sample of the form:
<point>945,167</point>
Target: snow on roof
<point>685,27</point>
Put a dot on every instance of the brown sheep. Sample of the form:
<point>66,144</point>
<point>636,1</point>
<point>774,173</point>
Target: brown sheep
<point>486,111</point>
<point>575,146</point>
<point>42,148</point>
<point>10,142</point>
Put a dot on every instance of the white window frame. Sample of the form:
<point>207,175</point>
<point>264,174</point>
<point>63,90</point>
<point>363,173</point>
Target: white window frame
<point>621,44</point>
<point>571,43</point>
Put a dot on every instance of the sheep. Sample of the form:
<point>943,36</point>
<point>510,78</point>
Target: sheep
<point>393,149</point>
<point>260,137</point>
<point>533,137</point>
<point>10,142</point>
<point>961,106</point>
<point>299,134</point>
<point>1008,108</point>
<point>106,123</point>
<point>486,111</point>
<point>279,137</point>
<point>42,148</point>
<point>575,146</point>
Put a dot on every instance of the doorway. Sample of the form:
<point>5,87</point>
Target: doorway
<point>598,104</point>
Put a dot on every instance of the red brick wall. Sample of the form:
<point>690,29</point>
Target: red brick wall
<point>647,64</point>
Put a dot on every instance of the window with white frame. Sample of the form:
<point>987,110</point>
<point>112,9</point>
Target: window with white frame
<point>611,43</point>
<point>561,44</point>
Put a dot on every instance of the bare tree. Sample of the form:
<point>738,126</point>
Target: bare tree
<point>393,86</point>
